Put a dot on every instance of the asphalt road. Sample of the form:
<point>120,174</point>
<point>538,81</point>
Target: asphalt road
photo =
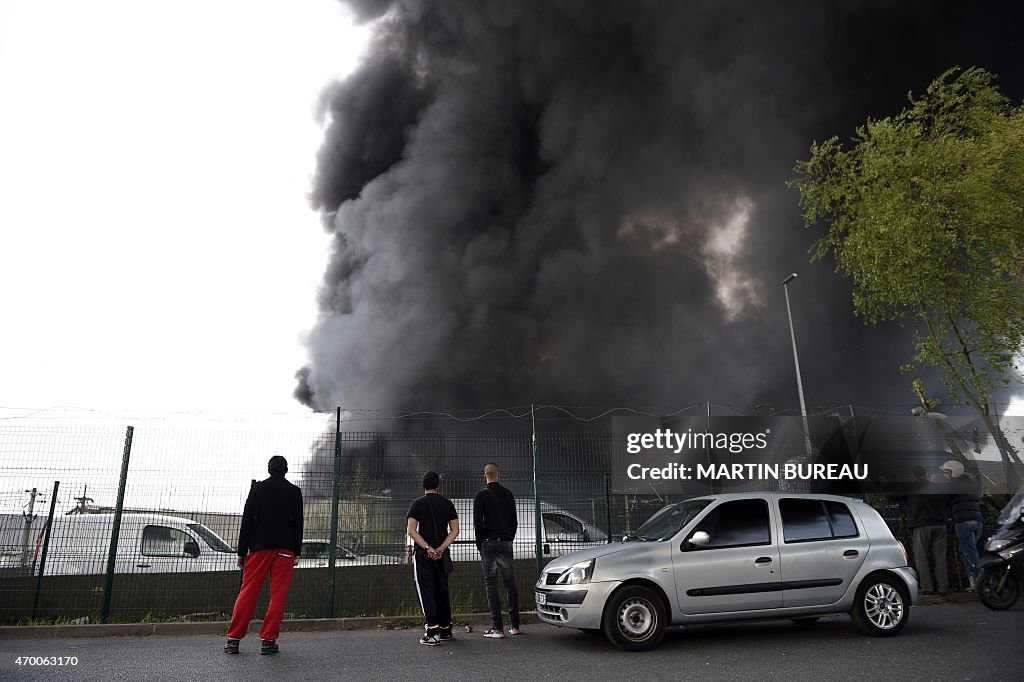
<point>948,642</point>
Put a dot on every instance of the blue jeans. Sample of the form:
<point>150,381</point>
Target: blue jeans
<point>967,535</point>
<point>496,556</point>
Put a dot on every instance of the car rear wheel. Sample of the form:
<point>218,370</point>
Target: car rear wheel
<point>997,589</point>
<point>634,619</point>
<point>882,606</point>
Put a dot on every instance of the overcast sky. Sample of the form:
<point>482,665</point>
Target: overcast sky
<point>157,249</point>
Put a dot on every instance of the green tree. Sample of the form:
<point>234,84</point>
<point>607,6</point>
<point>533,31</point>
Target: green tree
<point>925,213</point>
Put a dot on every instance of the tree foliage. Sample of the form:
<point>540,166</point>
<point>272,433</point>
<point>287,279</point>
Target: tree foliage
<point>925,212</point>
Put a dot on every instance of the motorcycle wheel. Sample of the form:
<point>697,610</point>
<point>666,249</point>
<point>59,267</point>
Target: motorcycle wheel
<point>994,596</point>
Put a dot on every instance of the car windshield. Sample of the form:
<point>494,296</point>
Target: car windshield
<point>212,539</point>
<point>669,520</point>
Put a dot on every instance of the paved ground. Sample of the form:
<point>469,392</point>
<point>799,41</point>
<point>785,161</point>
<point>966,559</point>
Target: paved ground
<point>942,641</point>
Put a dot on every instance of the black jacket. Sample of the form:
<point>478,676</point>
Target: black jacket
<point>965,499</point>
<point>926,504</point>
<point>272,518</point>
<point>494,514</point>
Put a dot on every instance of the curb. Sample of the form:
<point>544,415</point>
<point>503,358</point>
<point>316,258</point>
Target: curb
<point>219,627</point>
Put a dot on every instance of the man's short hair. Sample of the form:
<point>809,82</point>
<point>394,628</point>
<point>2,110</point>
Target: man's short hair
<point>431,480</point>
<point>491,469</point>
<point>277,466</point>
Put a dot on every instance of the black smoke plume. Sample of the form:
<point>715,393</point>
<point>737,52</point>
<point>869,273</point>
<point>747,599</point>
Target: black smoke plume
<point>583,203</point>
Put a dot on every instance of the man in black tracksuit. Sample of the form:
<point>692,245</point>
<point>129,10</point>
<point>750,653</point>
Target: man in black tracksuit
<point>433,525</point>
<point>495,523</point>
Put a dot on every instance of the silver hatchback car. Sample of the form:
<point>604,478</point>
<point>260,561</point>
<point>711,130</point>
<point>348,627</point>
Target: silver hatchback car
<point>735,557</point>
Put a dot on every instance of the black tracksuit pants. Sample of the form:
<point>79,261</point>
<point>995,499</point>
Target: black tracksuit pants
<point>432,588</point>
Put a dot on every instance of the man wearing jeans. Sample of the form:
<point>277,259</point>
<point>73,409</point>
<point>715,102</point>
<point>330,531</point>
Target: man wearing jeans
<point>965,503</point>
<point>495,523</point>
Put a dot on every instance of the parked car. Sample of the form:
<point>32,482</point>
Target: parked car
<point>562,532</point>
<point>316,554</point>
<point>147,543</point>
<point>735,557</point>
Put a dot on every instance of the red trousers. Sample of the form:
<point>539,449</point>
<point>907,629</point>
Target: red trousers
<point>279,563</point>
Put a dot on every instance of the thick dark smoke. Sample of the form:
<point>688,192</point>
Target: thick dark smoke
<point>583,203</point>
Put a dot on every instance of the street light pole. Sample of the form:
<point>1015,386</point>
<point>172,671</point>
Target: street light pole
<point>796,359</point>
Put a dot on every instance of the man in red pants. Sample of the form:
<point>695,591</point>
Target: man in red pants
<point>269,541</point>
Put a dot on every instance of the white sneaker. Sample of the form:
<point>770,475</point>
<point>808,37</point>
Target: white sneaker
<point>514,631</point>
<point>495,633</point>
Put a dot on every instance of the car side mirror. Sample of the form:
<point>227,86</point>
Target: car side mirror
<point>698,539</point>
<point>192,549</point>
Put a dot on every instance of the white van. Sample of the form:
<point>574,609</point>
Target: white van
<point>147,543</point>
<point>563,532</point>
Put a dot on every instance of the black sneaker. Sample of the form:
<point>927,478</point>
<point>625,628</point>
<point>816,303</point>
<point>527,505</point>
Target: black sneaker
<point>445,634</point>
<point>231,647</point>
<point>430,638</point>
<point>269,647</point>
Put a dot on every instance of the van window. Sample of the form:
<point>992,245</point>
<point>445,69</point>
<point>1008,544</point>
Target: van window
<point>804,520</point>
<point>164,541</point>
<point>215,542</point>
<point>737,524</point>
<point>562,527</point>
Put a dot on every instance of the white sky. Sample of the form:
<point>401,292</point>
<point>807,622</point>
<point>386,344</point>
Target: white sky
<point>156,247</point>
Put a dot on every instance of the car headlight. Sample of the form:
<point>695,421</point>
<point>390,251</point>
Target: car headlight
<point>577,573</point>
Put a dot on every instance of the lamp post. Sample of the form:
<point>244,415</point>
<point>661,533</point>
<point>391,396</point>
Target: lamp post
<point>796,363</point>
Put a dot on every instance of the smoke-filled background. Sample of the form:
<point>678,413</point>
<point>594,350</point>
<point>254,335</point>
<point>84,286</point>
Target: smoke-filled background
<point>584,203</point>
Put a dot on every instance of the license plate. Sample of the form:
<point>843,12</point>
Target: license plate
<point>541,598</point>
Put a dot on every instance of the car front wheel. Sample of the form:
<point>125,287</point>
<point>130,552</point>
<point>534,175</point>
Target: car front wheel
<point>882,606</point>
<point>634,619</point>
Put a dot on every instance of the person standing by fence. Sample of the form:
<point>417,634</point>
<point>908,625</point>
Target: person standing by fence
<point>495,524</point>
<point>965,504</point>
<point>926,518</point>
<point>269,541</point>
<point>433,525</point>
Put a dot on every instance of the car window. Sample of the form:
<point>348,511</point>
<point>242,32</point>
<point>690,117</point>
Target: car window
<point>843,525</point>
<point>736,524</point>
<point>669,520</point>
<point>562,526</point>
<point>164,541</point>
<point>804,520</point>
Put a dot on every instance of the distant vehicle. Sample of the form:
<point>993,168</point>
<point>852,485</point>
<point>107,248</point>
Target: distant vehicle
<point>563,532</point>
<point>147,543</point>
<point>735,557</point>
<point>316,554</point>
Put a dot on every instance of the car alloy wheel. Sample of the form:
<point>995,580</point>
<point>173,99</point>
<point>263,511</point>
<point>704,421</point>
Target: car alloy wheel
<point>882,607</point>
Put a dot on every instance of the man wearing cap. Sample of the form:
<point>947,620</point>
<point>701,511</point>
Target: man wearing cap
<point>269,542</point>
<point>965,505</point>
<point>433,525</point>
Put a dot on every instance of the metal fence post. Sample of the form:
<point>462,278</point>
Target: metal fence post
<point>332,551</point>
<point>108,584</point>
<point>46,547</point>
<point>537,520</point>
<point>608,505</point>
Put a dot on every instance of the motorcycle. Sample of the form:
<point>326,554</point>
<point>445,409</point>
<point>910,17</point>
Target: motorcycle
<point>1002,567</point>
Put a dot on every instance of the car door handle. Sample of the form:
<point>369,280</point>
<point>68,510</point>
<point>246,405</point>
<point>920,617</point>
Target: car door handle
<point>143,565</point>
<point>851,553</point>
<point>761,560</point>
